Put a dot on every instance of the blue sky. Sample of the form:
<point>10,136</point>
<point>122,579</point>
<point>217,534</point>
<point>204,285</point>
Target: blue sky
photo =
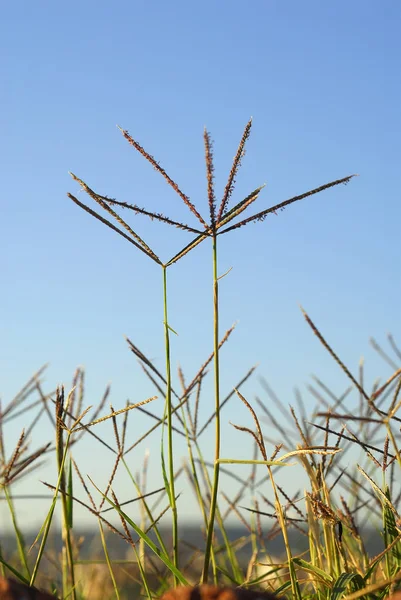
<point>321,81</point>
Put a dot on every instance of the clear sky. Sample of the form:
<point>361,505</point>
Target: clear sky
<point>322,83</point>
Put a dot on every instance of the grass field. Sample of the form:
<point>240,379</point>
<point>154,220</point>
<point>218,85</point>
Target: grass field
<point>330,514</point>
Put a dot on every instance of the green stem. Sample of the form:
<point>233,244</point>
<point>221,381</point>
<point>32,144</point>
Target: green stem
<point>216,472</point>
<point>66,533</point>
<point>169,425</point>
<point>20,539</point>
<point>48,520</point>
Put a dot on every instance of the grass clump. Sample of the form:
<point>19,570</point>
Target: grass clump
<point>335,561</point>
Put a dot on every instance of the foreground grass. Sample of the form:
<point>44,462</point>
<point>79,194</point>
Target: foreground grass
<point>336,562</point>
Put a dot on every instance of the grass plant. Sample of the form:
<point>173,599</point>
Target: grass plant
<point>335,562</point>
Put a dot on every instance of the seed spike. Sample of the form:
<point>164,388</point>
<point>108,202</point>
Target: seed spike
<point>234,170</point>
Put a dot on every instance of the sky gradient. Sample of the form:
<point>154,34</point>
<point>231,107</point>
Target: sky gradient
<point>321,81</point>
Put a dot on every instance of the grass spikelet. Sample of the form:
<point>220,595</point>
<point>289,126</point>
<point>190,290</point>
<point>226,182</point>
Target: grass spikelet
<point>160,169</point>
<point>113,227</point>
<point>234,170</point>
<point>117,217</point>
<point>210,177</point>
<point>282,205</point>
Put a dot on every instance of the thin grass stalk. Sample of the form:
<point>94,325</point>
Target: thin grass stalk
<point>216,471</point>
<point>197,486</point>
<point>229,547</point>
<point>172,496</point>
<point>331,533</point>
<point>19,537</point>
<point>66,530</point>
<point>108,560</point>
<point>48,520</point>
<point>283,525</point>
<point>157,551</point>
<point>194,474</point>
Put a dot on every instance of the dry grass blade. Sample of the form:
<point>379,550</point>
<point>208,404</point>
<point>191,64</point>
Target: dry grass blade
<point>118,412</point>
<point>291,502</point>
<point>327,450</point>
<point>394,407</point>
<point>113,227</point>
<point>379,492</point>
<point>110,481</point>
<point>115,429</point>
<point>160,420</point>
<point>275,399</point>
<point>394,345</point>
<point>141,497</point>
<point>336,358</point>
<point>339,402</point>
<point>45,400</point>
<point>143,358</point>
<point>272,515</point>
<point>201,370</point>
<point>90,509</point>
<point>383,354</point>
<point>23,465</point>
<point>196,407</point>
<point>234,508</point>
<point>83,483</point>
<point>157,519</point>
<point>160,169</point>
<point>305,440</point>
<point>195,381</point>
<point>353,439</point>
<point>245,485</point>
<point>379,392</point>
<point>234,170</point>
<point>337,445</point>
<point>263,214</point>
<point>24,392</point>
<point>34,421</point>
<point>259,437</point>
<point>123,521</point>
<point>17,452</point>
<point>286,435</point>
<point>254,435</point>
<point>348,417</point>
<point>226,399</point>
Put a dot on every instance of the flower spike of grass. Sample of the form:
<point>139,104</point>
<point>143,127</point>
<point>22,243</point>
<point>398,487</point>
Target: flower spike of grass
<point>69,420</point>
<point>113,227</point>
<point>263,214</point>
<point>117,217</point>
<point>152,215</point>
<point>240,207</point>
<point>200,238</point>
<point>210,177</point>
<point>160,169</point>
<point>234,170</point>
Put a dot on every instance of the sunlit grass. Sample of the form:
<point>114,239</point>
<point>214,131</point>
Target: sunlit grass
<point>336,562</point>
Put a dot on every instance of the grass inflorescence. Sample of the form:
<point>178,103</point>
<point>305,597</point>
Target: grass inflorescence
<point>328,515</point>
